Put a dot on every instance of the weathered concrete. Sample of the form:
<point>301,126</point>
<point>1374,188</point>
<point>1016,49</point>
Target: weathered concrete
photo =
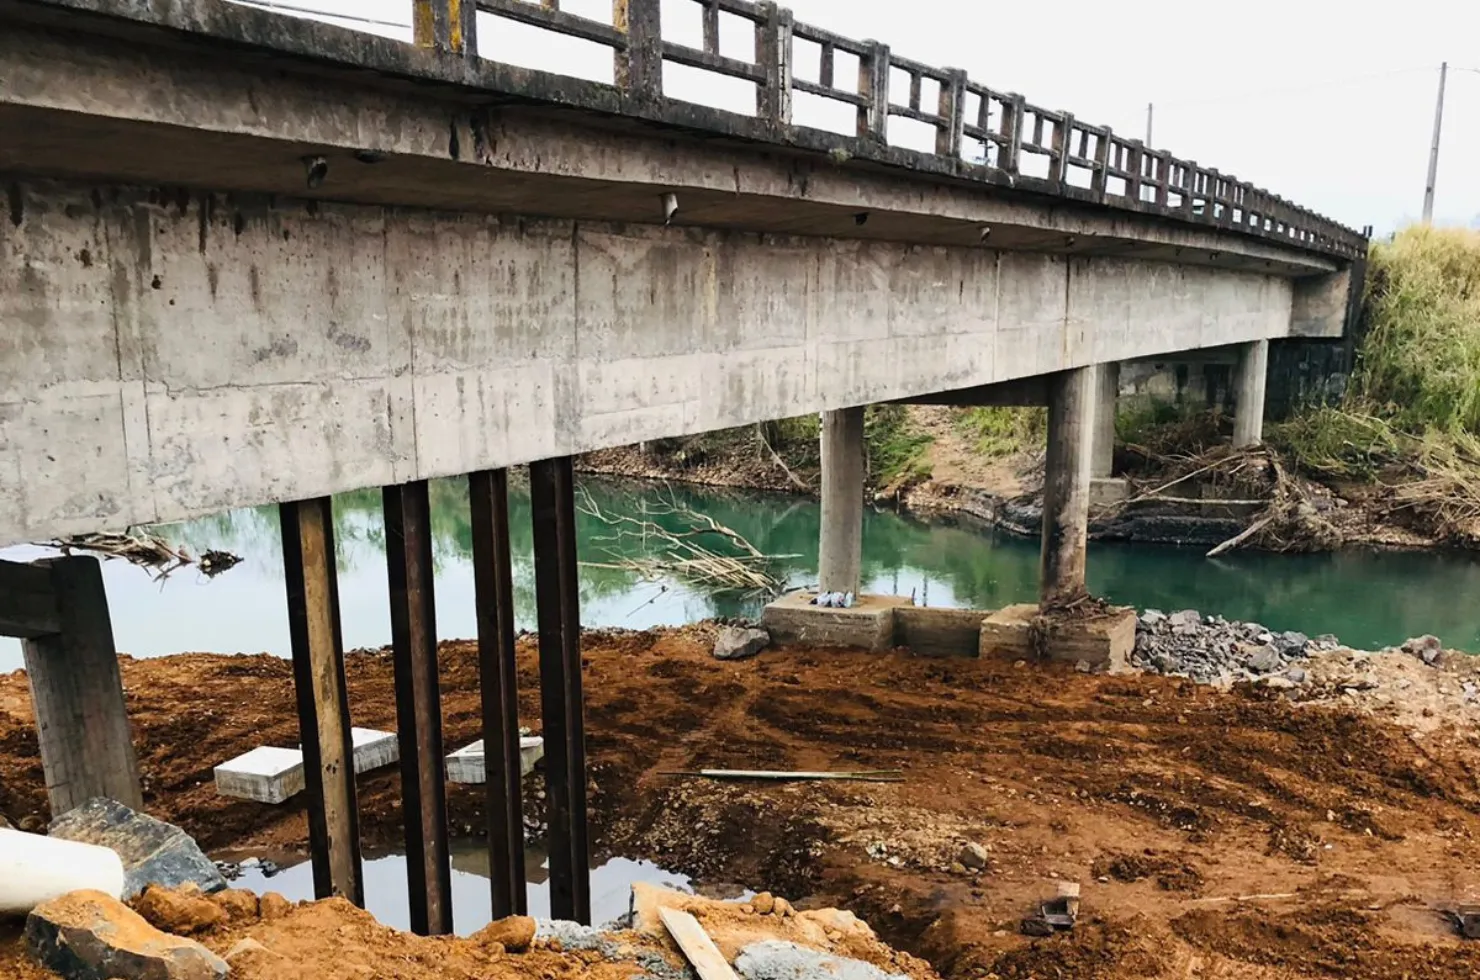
<point>172,361</point>
<point>844,469</point>
<point>469,764</point>
<point>928,631</point>
<point>869,625</point>
<point>1104,642</point>
<point>1249,383</point>
<point>1107,394</point>
<point>1066,469</point>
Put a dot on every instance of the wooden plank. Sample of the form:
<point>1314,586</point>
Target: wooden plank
<point>493,584</point>
<point>28,603</point>
<point>323,700</point>
<point>408,554</point>
<point>705,957</point>
<point>87,749</point>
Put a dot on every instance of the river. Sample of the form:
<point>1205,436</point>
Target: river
<point>1367,598</point>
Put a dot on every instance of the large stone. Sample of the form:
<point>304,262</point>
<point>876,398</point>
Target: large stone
<point>734,643</point>
<point>153,852</point>
<point>775,959</point>
<point>88,936</point>
<point>515,933</point>
<point>1427,648</point>
<point>184,911</point>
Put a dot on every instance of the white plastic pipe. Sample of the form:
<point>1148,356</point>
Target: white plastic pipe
<point>36,869</point>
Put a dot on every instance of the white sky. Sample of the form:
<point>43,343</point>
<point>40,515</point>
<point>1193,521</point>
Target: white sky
<point>1320,101</point>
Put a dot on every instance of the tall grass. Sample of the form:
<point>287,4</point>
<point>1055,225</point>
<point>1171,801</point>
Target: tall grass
<point>1419,366</point>
<point>1004,431</point>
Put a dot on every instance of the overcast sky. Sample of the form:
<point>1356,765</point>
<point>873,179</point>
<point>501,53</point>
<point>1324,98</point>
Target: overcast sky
<point>1317,100</point>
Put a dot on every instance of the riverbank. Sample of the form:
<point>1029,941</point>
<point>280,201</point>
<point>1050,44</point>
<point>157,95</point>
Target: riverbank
<point>1178,482</point>
<point>1176,805</point>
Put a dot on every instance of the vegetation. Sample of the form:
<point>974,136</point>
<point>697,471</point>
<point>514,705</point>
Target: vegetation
<point>1419,366</point>
<point>1000,432</point>
<point>896,449</point>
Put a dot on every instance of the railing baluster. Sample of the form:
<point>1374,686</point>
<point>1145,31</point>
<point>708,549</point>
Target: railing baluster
<point>711,26</point>
<point>446,25</point>
<point>773,52</point>
<point>1062,148</point>
<point>1102,162</point>
<point>950,135</point>
<point>639,69</point>
<point>1010,154</point>
<point>873,85</point>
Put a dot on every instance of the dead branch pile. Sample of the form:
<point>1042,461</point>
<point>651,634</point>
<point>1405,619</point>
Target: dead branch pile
<point>1288,521</point>
<point>147,550</point>
<point>1441,492</point>
<point>668,539</point>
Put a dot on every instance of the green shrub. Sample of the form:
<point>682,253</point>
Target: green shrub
<point>1004,431</point>
<point>896,449</point>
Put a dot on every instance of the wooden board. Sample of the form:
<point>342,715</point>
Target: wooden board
<point>706,958</point>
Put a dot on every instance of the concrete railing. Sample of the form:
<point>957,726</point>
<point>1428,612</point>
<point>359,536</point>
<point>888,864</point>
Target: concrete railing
<point>981,133</point>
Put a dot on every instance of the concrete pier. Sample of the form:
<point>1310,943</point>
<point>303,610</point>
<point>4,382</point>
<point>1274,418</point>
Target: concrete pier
<point>1249,383</point>
<point>1071,420</point>
<point>840,550</point>
<point>1107,390</point>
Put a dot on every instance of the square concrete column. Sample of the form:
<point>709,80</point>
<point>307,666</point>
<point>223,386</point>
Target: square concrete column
<point>840,550</point>
<point>1248,383</point>
<point>1071,422</point>
<point>1107,390</point>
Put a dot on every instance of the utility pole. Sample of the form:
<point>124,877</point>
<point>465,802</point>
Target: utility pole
<point>1428,193</point>
<point>1150,110</point>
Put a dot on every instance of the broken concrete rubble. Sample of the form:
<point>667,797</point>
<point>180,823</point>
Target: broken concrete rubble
<point>90,936</point>
<point>152,851</point>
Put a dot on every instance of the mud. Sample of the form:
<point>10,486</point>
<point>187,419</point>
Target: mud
<point>1215,834</point>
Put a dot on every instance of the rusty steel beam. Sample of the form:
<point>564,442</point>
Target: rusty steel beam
<point>552,492</point>
<point>408,555</point>
<point>323,700</point>
<point>493,583</point>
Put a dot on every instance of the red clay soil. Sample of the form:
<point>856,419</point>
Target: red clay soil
<point>1228,835</point>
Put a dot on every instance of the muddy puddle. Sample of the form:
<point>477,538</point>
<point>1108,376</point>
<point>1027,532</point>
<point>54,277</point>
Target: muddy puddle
<point>386,890</point>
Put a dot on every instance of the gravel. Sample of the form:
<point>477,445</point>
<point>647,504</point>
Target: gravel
<point>1213,650</point>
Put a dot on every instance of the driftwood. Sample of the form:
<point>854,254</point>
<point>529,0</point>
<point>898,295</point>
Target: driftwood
<point>700,549</point>
<point>796,481</point>
<point>147,550</point>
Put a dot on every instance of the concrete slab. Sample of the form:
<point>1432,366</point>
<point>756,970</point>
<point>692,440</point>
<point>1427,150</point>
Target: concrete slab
<point>869,625</point>
<point>1107,491</point>
<point>266,775</point>
<point>374,749</point>
<point>932,632</point>
<point>466,765</point>
<point>1105,642</point>
<point>273,775</point>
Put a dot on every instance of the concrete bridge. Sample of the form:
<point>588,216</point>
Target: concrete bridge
<point>250,259</point>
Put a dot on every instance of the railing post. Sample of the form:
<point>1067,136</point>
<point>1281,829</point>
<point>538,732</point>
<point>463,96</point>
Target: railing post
<point>1138,171</point>
<point>639,68</point>
<point>773,52</point>
<point>1189,186</point>
<point>446,25</point>
<point>951,133</point>
<point>1214,199</point>
<point>1062,147</point>
<point>1102,163</point>
<point>873,86</point>
<point>1011,153</point>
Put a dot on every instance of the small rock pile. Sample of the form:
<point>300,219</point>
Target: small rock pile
<point>1214,650</point>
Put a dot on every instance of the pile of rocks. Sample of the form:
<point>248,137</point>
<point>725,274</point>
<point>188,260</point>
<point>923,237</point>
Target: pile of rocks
<point>1214,650</point>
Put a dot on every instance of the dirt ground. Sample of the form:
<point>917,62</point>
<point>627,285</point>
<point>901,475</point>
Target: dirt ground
<point>1214,834</point>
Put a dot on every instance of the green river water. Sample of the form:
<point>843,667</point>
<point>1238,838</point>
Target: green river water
<point>1368,599</point>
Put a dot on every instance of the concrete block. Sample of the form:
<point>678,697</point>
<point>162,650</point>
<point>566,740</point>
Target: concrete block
<point>374,749</point>
<point>932,632</point>
<point>869,625</point>
<point>1105,642</point>
<point>273,775</point>
<point>466,765</point>
<point>265,775</point>
<point>1107,491</point>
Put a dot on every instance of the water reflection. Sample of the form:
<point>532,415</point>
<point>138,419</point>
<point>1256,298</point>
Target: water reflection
<point>472,905</point>
<point>1367,598</point>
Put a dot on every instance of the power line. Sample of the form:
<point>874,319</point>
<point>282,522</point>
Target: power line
<point>1293,89</point>
<point>292,8</point>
